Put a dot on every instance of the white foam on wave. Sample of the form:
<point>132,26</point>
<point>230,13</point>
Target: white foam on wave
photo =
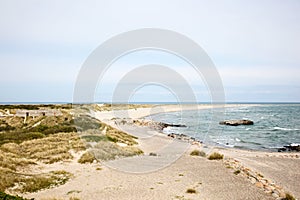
<point>295,144</point>
<point>285,129</point>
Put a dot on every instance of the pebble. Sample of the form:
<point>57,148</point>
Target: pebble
<point>253,180</point>
<point>275,195</point>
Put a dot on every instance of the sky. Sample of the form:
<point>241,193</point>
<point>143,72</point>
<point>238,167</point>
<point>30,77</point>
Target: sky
<point>254,45</point>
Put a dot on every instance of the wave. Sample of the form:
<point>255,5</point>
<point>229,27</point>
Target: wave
<point>285,129</point>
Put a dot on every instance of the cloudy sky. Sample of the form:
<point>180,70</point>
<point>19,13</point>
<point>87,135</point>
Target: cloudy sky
<point>255,46</point>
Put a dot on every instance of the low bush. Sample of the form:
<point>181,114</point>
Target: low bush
<point>191,191</point>
<point>198,153</point>
<point>289,197</point>
<point>215,156</point>
<point>87,157</point>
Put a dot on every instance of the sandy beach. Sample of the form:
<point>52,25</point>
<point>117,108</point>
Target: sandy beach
<point>172,171</point>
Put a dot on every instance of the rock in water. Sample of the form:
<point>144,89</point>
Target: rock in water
<point>236,122</point>
<point>291,147</point>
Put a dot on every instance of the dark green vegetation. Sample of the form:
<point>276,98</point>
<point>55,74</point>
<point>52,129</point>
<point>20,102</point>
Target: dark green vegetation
<point>35,107</point>
<point>4,196</point>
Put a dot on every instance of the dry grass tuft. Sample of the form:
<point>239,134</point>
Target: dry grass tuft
<point>15,157</point>
<point>110,151</point>
<point>87,157</point>
<point>31,182</point>
<point>288,197</point>
<point>215,156</point>
<point>191,191</point>
<point>120,136</point>
<point>198,153</point>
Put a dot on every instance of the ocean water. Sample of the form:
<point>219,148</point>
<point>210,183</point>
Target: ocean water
<point>275,125</point>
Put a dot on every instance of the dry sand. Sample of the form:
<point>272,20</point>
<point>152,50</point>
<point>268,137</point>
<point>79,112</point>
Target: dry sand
<point>211,179</point>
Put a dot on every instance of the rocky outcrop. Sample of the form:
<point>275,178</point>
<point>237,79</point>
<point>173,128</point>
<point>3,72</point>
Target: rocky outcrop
<point>291,147</point>
<point>156,125</point>
<point>236,122</point>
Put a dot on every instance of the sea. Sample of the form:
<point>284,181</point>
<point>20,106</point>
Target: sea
<point>275,126</point>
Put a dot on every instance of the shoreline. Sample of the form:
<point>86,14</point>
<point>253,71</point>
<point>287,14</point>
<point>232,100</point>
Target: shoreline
<point>245,160</point>
<point>142,113</point>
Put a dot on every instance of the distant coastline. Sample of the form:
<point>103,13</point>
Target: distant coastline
<point>152,103</point>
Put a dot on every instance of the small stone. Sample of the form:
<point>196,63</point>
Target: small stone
<point>264,181</point>
<point>268,189</point>
<point>275,195</point>
<point>253,180</point>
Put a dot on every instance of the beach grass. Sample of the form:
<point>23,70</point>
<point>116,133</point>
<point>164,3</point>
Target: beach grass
<point>191,191</point>
<point>110,151</point>
<point>87,157</point>
<point>49,139</point>
<point>196,152</point>
<point>289,197</point>
<point>215,156</point>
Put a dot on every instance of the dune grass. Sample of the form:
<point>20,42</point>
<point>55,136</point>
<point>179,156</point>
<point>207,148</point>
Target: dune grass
<point>120,136</point>
<point>31,182</point>
<point>5,196</point>
<point>191,191</point>
<point>16,157</point>
<point>87,157</point>
<point>215,156</point>
<point>196,152</point>
<point>109,151</point>
<point>289,197</point>
<point>50,139</point>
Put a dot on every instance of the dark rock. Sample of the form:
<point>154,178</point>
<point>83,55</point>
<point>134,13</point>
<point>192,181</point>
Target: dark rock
<point>165,125</point>
<point>236,122</point>
<point>293,147</point>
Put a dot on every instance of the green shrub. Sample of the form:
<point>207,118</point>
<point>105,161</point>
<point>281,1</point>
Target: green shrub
<point>215,156</point>
<point>18,136</point>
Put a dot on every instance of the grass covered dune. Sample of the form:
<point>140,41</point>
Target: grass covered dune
<point>29,144</point>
